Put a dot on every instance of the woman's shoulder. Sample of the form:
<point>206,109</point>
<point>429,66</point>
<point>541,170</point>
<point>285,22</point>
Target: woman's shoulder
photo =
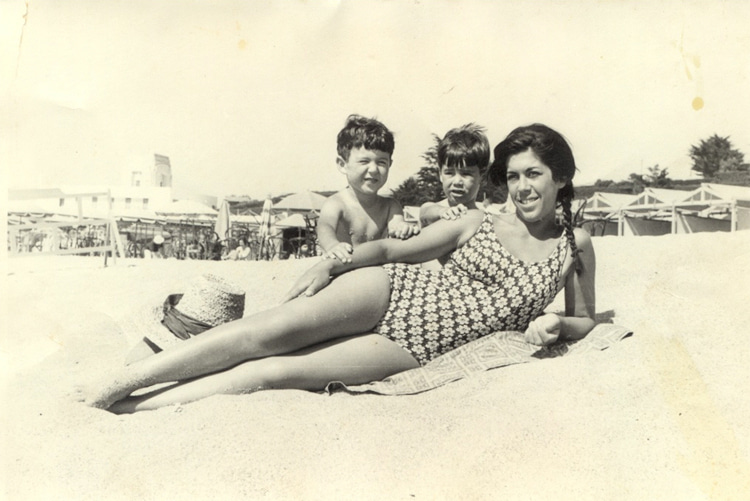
<point>475,215</point>
<point>583,238</point>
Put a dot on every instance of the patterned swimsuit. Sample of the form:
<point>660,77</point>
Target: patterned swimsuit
<point>481,289</point>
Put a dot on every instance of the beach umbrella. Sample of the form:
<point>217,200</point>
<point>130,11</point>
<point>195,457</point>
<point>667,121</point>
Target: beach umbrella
<point>223,224</point>
<point>264,231</point>
<point>293,221</point>
<point>303,201</point>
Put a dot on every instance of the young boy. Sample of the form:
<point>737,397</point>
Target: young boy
<point>358,214</point>
<point>463,156</point>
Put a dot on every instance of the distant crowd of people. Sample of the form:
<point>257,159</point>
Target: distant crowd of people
<point>165,246</point>
<point>162,245</point>
<point>53,239</point>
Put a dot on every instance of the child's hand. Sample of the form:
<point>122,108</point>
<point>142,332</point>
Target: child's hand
<point>403,230</point>
<point>454,212</point>
<point>543,330</point>
<point>341,251</point>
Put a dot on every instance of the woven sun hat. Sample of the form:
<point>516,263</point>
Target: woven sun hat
<point>207,301</point>
<point>158,239</point>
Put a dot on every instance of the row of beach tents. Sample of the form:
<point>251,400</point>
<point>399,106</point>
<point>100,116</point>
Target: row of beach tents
<point>655,211</point>
<point>39,210</point>
<point>286,213</point>
<point>710,207</point>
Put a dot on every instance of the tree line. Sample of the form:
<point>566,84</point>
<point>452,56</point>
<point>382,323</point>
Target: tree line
<point>714,158</point>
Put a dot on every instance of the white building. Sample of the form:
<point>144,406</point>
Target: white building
<point>149,192</point>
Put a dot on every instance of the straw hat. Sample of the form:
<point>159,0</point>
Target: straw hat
<point>209,299</point>
<point>158,239</point>
<point>212,300</point>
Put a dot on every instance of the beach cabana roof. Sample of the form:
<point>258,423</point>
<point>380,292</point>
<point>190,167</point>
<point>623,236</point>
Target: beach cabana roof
<point>303,201</point>
<point>27,206</point>
<point>601,202</point>
<point>654,198</point>
<point>710,191</point>
<point>34,194</point>
<point>187,208</point>
<point>708,194</point>
<point>253,219</point>
<point>134,215</point>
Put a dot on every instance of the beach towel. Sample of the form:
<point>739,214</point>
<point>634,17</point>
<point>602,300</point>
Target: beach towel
<point>499,349</point>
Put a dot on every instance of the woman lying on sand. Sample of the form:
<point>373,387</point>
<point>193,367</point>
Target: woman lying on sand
<point>372,321</point>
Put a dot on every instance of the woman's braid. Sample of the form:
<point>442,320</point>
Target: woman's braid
<point>565,198</point>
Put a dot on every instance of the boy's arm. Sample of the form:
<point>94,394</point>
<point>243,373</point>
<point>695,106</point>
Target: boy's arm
<point>430,212</point>
<point>397,225</point>
<point>330,214</point>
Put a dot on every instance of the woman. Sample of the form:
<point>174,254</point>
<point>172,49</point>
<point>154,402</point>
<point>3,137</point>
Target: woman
<point>362,327</point>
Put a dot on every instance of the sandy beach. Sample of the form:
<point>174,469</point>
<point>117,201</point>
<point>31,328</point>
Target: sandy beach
<point>662,415</point>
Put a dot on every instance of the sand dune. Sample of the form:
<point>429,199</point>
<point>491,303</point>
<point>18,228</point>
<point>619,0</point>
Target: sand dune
<point>661,415</point>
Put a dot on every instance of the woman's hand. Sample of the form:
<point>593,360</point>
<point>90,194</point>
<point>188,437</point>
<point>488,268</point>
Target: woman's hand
<point>313,280</point>
<point>543,330</point>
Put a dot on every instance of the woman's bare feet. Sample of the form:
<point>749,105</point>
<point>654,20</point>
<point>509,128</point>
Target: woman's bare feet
<point>116,388</point>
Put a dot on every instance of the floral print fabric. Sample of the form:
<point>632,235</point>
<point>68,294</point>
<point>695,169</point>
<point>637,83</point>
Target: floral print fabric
<point>481,289</point>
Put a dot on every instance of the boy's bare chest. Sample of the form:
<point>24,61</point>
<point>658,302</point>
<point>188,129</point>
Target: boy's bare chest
<point>359,226</point>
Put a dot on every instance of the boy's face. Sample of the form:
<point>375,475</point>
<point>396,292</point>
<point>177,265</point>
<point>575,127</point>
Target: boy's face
<point>366,170</point>
<point>460,184</point>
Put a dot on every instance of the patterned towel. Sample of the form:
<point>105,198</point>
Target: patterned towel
<point>495,350</point>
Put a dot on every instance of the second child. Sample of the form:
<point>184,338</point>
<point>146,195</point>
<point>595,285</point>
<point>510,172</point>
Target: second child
<point>463,156</point>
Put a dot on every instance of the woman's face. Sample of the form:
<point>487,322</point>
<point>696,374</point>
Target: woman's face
<point>531,187</point>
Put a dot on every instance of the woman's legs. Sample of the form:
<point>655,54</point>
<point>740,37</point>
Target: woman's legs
<point>352,360</point>
<point>351,304</point>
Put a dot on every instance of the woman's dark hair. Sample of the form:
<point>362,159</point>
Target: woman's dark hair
<point>554,152</point>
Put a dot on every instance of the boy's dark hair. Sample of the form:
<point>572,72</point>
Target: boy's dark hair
<point>464,146</point>
<point>362,132</point>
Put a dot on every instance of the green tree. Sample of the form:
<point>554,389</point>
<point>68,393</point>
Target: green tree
<point>425,185</point>
<point>638,183</point>
<point>495,194</point>
<point>714,155</point>
<point>408,193</point>
<point>658,178</point>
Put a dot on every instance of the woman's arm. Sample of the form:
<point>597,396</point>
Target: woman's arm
<point>430,212</point>
<point>435,241</point>
<point>580,301</point>
<point>580,292</point>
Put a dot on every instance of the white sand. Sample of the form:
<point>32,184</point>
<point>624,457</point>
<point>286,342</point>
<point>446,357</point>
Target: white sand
<point>662,415</point>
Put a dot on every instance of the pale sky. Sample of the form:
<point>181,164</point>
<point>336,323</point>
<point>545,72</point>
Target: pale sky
<point>246,97</point>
